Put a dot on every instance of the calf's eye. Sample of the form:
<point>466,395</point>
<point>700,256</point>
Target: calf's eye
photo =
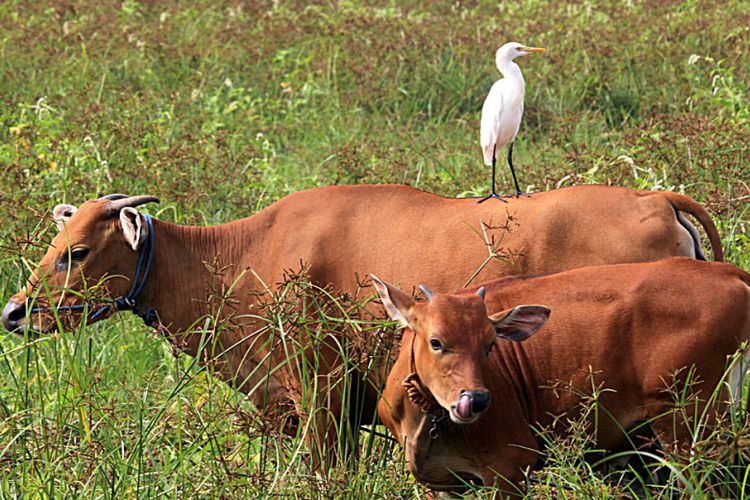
<point>436,345</point>
<point>79,254</point>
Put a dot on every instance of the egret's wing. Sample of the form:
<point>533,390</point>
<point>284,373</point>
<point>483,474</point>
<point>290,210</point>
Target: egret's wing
<point>490,125</point>
<point>515,134</point>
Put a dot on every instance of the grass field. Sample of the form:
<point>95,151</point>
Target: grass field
<point>221,108</point>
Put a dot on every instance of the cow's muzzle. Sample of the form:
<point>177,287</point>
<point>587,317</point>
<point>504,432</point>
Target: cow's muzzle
<point>14,314</point>
<point>469,405</point>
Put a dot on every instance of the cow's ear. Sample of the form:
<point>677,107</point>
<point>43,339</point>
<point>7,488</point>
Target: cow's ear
<point>61,214</point>
<point>397,304</point>
<point>133,229</point>
<point>519,323</point>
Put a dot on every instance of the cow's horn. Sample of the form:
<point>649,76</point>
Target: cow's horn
<point>427,292</point>
<point>111,197</point>
<point>481,292</point>
<point>115,206</point>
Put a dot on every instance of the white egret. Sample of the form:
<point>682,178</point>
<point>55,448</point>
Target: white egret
<point>503,109</point>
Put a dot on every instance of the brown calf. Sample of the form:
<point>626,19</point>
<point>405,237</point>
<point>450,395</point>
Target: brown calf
<point>631,327</point>
<point>339,232</point>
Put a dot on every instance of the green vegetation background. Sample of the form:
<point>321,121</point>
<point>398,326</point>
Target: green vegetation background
<point>221,108</point>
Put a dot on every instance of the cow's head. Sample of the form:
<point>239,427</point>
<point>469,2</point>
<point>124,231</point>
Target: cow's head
<point>97,243</point>
<point>453,338</point>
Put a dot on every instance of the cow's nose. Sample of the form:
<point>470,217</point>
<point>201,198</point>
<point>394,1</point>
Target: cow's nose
<point>13,313</point>
<point>480,401</point>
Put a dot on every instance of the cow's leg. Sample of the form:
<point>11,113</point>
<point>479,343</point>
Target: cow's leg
<point>672,429</point>
<point>331,435</point>
<point>508,482</point>
<point>737,379</point>
<point>672,432</point>
<point>506,475</point>
<point>323,413</point>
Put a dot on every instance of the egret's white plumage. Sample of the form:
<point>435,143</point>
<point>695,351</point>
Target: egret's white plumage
<point>501,116</point>
<point>503,109</point>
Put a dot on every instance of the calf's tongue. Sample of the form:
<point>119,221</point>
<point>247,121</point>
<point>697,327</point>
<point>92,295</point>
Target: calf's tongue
<point>463,408</point>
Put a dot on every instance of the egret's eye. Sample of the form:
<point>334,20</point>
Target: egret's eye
<point>436,345</point>
<point>79,254</point>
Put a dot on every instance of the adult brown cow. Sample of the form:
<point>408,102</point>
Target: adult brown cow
<point>177,275</point>
<point>628,327</point>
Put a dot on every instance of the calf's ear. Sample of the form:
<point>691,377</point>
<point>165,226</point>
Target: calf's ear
<point>132,226</point>
<point>61,214</point>
<point>519,323</point>
<point>397,304</point>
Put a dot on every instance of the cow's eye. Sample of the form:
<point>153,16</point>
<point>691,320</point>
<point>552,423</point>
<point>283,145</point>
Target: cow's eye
<point>78,254</point>
<point>436,345</point>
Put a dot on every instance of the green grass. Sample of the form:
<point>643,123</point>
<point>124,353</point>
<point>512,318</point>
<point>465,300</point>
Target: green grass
<point>220,109</point>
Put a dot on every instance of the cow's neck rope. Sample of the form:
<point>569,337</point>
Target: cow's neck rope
<point>421,396</point>
<point>128,302</point>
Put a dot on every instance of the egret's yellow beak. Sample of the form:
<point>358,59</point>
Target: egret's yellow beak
<point>533,49</point>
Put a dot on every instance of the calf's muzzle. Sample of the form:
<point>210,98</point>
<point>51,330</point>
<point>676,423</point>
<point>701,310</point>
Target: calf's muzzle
<point>480,401</point>
<point>13,313</point>
<point>471,403</point>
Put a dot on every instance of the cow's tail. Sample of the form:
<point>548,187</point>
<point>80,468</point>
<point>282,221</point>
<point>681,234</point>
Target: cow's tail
<point>690,206</point>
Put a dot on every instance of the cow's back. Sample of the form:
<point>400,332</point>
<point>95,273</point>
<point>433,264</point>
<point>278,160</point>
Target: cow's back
<point>626,328</point>
<point>408,236</point>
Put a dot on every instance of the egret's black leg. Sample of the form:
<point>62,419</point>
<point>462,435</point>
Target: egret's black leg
<point>492,194</point>
<point>512,170</point>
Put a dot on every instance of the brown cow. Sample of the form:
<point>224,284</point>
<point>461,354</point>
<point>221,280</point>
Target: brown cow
<point>339,232</point>
<point>631,327</point>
